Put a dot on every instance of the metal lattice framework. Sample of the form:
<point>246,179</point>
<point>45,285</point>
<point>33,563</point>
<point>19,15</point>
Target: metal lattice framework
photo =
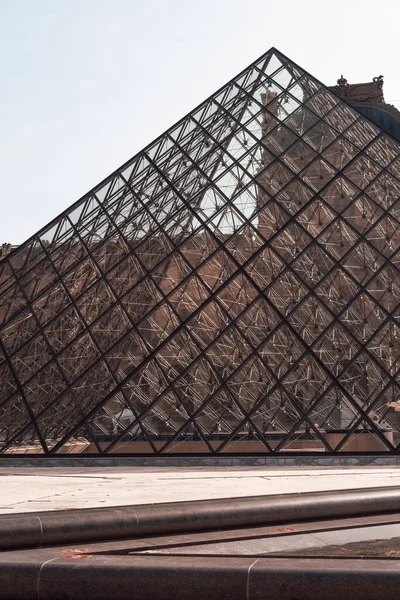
<point>233,288</point>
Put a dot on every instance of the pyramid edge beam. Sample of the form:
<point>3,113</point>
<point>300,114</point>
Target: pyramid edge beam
<point>116,171</point>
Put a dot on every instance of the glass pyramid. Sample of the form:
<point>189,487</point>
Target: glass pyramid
<point>233,288</point>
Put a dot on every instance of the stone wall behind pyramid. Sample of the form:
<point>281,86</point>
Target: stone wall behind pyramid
<point>234,288</point>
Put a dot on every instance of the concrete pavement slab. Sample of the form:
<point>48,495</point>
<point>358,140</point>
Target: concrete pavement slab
<point>33,489</point>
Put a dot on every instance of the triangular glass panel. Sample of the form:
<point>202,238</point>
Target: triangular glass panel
<point>363,440</point>
<point>27,442</point>
<point>82,442</point>
<point>247,441</point>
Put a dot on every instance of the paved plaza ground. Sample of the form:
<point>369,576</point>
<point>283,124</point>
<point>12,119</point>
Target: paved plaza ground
<point>36,489</point>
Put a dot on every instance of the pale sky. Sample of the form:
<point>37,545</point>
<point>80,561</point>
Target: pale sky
<point>86,84</point>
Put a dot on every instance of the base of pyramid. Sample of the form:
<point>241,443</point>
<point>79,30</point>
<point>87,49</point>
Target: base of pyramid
<point>360,441</point>
<point>322,460</point>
